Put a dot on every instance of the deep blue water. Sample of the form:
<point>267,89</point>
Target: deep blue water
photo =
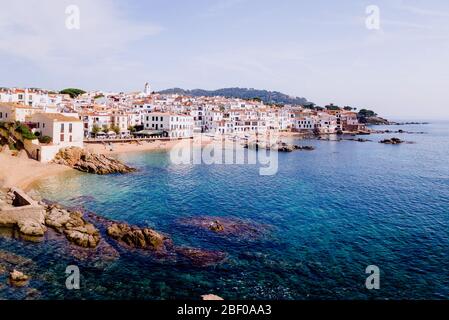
<point>329,214</point>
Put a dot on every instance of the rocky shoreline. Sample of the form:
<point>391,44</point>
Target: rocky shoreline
<point>279,147</point>
<point>89,231</point>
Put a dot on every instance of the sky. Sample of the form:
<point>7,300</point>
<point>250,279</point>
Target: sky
<point>320,50</point>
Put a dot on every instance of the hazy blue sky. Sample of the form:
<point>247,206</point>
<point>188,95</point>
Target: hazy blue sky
<point>321,50</point>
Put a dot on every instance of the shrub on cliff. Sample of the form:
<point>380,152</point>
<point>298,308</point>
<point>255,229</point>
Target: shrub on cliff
<point>45,140</point>
<point>25,131</point>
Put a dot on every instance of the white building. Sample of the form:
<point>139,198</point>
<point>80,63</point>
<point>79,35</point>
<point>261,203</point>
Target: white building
<point>64,131</point>
<point>11,112</point>
<point>176,125</point>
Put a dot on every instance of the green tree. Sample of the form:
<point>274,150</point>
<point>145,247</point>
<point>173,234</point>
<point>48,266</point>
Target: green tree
<point>73,92</point>
<point>106,128</point>
<point>116,129</point>
<point>45,139</point>
<point>96,129</point>
<point>365,113</point>
<point>309,106</point>
<point>332,107</point>
<point>132,129</point>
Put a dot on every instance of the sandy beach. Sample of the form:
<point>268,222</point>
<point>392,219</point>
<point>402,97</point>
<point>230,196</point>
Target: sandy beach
<point>21,172</point>
<point>157,145</point>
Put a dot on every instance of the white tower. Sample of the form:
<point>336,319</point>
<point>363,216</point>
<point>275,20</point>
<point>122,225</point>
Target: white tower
<point>147,89</point>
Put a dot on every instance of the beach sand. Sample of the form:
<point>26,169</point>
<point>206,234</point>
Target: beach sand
<point>115,148</point>
<point>158,145</point>
<point>21,173</point>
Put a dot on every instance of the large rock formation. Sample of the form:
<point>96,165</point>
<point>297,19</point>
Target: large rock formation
<point>85,161</point>
<point>72,224</point>
<point>135,237</point>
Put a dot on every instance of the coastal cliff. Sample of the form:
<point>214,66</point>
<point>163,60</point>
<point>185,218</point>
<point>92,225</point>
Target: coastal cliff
<point>85,161</point>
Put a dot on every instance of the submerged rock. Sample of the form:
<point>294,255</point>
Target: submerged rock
<point>85,161</point>
<point>227,226</point>
<point>201,257</point>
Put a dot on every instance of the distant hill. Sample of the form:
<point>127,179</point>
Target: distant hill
<point>271,97</point>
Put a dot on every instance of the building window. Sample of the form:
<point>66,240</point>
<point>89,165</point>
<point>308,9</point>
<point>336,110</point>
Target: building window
<point>70,138</point>
<point>70,128</point>
<point>62,137</point>
<point>62,128</point>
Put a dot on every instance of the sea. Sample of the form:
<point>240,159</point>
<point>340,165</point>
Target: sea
<point>317,227</point>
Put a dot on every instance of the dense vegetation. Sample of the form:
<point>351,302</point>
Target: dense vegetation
<point>73,92</point>
<point>269,97</point>
<point>25,131</point>
<point>364,113</point>
<point>45,139</point>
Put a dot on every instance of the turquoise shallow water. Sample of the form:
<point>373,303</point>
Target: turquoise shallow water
<point>330,213</point>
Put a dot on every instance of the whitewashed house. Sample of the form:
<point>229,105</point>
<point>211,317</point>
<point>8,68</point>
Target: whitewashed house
<point>12,112</point>
<point>176,125</point>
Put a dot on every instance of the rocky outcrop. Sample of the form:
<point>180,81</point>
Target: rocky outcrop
<point>85,161</point>
<point>31,228</point>
<point>216,226</point>
<point>211,297</point>
<point>18,279</point>
<point>135,237</point>
<point>392,141</point>
<point>72,224</point>
<point>280,147</point>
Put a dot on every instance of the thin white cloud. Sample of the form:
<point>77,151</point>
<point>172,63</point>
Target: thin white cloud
<point>425,12</point>
<point>35,30</point>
